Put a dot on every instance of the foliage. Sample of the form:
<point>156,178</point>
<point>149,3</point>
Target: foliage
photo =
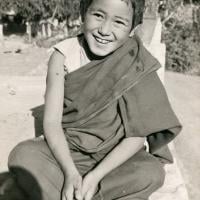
<point>68,8</point>
<point>5,5</point>
<point>30,10</point>
<point>35,10</point>
<point>182,41</point>
<point>151,5</point>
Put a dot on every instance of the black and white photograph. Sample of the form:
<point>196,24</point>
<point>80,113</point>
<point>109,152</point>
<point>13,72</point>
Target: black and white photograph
<point>99,99</point>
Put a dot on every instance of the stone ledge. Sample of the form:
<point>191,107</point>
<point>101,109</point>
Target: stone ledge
<point>174,187</point>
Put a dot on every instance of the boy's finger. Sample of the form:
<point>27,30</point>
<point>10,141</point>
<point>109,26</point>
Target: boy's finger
<point>78,189</point>
<point>78,194</point>
<point>63,197</point>
<point>83,191</point>
<point>88,196</point>
<point>68,195</point>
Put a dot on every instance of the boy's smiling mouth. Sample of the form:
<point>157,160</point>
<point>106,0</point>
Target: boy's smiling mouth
<point>100,40</point>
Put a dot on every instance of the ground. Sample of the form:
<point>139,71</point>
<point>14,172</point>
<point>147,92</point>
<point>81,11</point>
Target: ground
<point>22,79</point>
<point>184,94</point>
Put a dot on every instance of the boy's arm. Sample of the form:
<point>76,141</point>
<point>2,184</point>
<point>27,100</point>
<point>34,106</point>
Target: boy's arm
<point>52,123</point>
<point>121,153</point>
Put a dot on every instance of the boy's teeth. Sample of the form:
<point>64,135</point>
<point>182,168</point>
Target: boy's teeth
<point>102,41</point>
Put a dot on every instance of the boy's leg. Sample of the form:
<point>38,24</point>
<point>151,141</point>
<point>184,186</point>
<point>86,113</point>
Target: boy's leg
<point>136,179</point>
<point>37,171</point>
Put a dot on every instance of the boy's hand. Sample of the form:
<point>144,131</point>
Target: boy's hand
<point>72,187</point>
<point>89,186</point>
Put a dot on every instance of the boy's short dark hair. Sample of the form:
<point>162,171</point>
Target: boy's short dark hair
<point>138,7</point>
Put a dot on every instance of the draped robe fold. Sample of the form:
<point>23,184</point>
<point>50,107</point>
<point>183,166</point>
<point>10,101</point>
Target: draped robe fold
<point>117,97</point>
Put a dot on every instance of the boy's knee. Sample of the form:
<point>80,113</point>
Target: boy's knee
<point>22,155</point>
<point>155,175</point>
<point>23,163</point>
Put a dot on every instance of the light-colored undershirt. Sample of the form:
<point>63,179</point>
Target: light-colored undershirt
<point>75,56</point>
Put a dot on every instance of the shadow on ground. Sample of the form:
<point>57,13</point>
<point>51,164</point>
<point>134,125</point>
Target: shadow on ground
<point>38,113</point>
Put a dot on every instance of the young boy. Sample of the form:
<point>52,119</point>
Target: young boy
<point>99,111</point>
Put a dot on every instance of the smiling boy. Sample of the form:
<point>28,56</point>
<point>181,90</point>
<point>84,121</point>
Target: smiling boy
<point>107,25</point>
<point>113,102</point>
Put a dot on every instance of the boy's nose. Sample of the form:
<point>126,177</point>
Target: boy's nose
<point>105,28</point>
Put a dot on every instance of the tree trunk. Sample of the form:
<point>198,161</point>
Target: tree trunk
<point>44,35</point>
<point>66,31</point>
<point>29,31</point>
<point>1,31</point>
<point>49,31</point>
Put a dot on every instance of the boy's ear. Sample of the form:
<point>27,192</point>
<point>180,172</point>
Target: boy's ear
<point>132,33</point>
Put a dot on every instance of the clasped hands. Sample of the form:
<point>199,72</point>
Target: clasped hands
<point>78,188</point>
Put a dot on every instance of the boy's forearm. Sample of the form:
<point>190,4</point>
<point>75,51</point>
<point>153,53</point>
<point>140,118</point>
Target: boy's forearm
<point>59,147</point>
<point>121,153</point>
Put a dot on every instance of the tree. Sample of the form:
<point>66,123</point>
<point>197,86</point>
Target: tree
<point>43,11</point>
<point>68,8</point>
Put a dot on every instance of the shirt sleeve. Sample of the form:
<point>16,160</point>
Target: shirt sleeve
<point>62,47</point>
<point>70,48</point>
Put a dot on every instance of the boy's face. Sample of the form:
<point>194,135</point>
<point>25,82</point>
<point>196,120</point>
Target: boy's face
<point>107,25</point>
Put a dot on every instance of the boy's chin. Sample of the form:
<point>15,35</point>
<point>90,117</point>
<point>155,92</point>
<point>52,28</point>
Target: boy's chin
<point>101,53</point>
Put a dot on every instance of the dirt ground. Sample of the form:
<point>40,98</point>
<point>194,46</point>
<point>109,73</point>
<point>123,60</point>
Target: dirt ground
<point>19,59</point>
<point>184,94</point>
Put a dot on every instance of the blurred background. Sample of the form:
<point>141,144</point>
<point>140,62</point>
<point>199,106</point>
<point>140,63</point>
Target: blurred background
<point>45,22</point>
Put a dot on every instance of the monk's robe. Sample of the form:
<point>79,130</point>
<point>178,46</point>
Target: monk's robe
<point>105,101</point>
<point>116,97</point>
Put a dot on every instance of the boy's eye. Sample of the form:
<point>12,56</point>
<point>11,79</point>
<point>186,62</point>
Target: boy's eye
<point>98,15</point>
<point>120,22</point>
